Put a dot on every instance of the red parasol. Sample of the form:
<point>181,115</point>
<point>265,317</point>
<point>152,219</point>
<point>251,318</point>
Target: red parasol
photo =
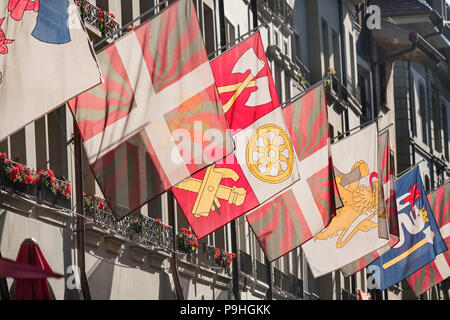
<point>33,288</point>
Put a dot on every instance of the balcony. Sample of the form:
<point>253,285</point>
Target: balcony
<point>100,24</point>
<point>294,68</point>
<point>344,95</point>
<point>136,227</point>
<point>37,185</point>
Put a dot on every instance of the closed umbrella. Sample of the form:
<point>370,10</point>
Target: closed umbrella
<point>32,288</point>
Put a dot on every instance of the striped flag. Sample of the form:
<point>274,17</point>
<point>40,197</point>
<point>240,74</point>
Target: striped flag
<point>45,59</point>
<point>389,216</point>
<point>439,269</point>
<point>157,119</point>
<point>301,212</point>
<point>263,163</point>
<point>354,231</point>
<point>420,239</point>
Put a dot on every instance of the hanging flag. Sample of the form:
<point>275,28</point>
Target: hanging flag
<point>157,119</point>
<point>301,212</point>
<point>388,204</point>
<point>45,59</point>
<point>354,231</point>
<point>263,163</point>
<point>420,239</point>
<point>438,270</point>
<point>364,296</point>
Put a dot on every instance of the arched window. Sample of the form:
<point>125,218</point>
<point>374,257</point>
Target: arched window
<point>423,112</point>
<point>445,129</point>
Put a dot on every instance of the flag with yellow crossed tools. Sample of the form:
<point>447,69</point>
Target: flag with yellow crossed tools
<point>264,162</point>
<point>157,119</point>
<point>354,230</point>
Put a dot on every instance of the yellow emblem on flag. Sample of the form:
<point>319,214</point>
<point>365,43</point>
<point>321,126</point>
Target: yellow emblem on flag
<point>270,156</point>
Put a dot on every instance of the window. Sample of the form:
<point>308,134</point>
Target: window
<point>296,49</point>
<point>127,11</point>
<point>383,85</point>
<point>427,184</point>
<point>336,53</point>
<point>445,128</point>
<point>145,5</point>
<point>423,112</point>
<point>207,29</point>
<point>326,50</point>
<point>103,4</point>
<point>437,118</point>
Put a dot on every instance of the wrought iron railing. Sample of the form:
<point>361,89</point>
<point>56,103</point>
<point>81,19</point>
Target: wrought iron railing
<point>99,19</point>
<point>137,227</point>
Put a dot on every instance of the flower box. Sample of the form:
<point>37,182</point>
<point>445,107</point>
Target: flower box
<point>48,197</point>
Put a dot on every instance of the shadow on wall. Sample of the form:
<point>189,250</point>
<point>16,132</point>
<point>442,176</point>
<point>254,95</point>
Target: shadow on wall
<point>166,291</point>
<point>69,245</point>
<point>101,278</point>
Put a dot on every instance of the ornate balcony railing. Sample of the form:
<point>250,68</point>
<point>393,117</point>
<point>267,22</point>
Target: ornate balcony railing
<point>137,227</point>
<point>97,18</point>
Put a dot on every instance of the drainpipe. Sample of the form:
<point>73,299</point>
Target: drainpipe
<point>343,59</point>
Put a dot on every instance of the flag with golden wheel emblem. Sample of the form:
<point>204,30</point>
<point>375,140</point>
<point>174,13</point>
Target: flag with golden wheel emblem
<point>290,219</point>
<point>264,161</point>
<point>354,230</point>
<point>157,119</point>
<point>439,269</point>
<point>388,204</point>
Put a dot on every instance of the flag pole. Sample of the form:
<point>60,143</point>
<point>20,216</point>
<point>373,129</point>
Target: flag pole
<point>409,169</point>
<point>80,226</point>
<point>357,127</point>
<point>233,43</point>
<point>173,264</point>
<point>385,129</point>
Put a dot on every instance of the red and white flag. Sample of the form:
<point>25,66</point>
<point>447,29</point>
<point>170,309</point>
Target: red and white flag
<point>263,163</point>
<point>439,269</point>
<point>388,206</point>
<point>301,212</point>
<point>157,119</point>
<point>45,59</point>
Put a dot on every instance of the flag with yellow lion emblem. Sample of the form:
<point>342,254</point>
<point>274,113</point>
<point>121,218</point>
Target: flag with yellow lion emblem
<point>355,230</point>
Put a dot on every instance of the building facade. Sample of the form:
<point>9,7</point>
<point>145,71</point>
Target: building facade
<point>306,41</point>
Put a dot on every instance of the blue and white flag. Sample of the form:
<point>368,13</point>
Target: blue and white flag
<point>420,239</point>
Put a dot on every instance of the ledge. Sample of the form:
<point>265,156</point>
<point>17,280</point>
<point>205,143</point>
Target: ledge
<point>94,234</point>
<point>138,252</point>
<point>158,257</point>
<point>52,216</point>
<point>188,268</point>
<point>114,243</point>
<point>16,204</point>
